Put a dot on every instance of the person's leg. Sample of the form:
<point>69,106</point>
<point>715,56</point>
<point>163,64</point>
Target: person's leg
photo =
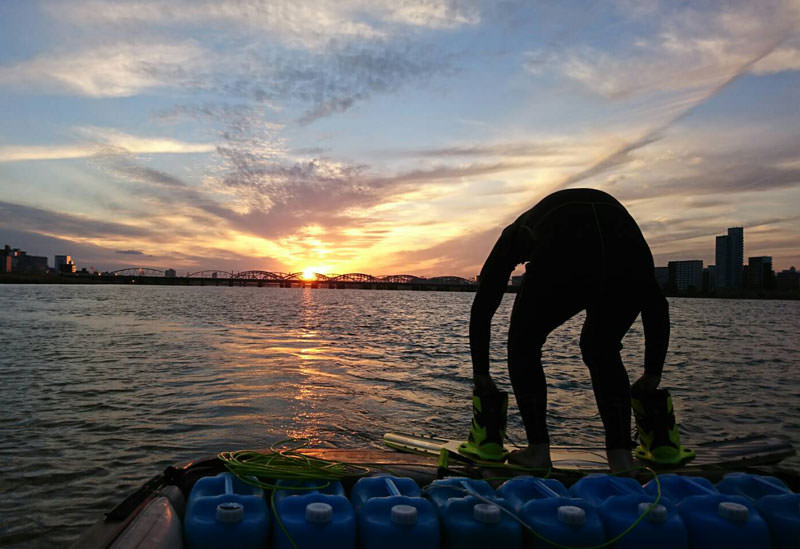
<point>607,322</point>
<point>538,310</point>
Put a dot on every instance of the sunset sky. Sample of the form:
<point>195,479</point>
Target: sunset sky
<point>389,137</point>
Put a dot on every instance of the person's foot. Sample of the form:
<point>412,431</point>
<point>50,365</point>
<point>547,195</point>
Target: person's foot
<point>620,461</point>
<point>536,456</point>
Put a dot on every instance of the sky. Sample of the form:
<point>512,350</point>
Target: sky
<point>400,137</point>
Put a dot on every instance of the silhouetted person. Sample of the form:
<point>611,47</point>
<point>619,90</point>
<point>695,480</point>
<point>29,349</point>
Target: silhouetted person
<point>582,251</point>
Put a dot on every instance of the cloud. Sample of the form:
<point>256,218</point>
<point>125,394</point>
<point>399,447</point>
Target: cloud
<point>125,165</point>
<point>461,256</point>
<point>303,24</point>
<point>708,172</point>
<point>559,149</point>
<point>160,200</point>
<point>101,140</point>
<point>733,178</point>
<point>623,153</point>
<point>322,58</point>
<point>688,50</point>
<point>333,80</point>
<point>781,60</point>
<point>276,197</point>
<point>247,73</point>
<point>308,24</point>
<point>21,153</point>
<point>88,254</point>
<point>263,189</point>
<point>282,196</point>
<point>37,244</point>
<point>27,218</point>
<point>263,197</point>
<point>129,252</point>
<point>433,14</point>
<point>143,145</point>
<point>111,70</point>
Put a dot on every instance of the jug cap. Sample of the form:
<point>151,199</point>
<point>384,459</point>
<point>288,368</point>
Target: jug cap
<point>319,512</point>
<point>404,514</point>
<point>230,512</point>
<point>488,513</point>
<point>657,514</point>
<point>571,515</point>
<point>735,512</point>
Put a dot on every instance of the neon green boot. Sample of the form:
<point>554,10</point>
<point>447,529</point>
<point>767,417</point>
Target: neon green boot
<point>658,432</point>
<point>489,412</point>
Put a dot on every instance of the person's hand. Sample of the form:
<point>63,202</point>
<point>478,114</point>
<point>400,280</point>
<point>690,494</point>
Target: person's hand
<point>646,384</point>
<point>483,384</point>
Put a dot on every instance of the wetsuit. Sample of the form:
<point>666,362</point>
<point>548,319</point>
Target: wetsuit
<point>582,251</point>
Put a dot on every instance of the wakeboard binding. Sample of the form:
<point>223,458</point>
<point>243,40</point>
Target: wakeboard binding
<point>488,430</point>
<point>658,432</point>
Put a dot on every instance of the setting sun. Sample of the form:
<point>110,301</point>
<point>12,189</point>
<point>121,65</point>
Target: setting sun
<point>310,273</point>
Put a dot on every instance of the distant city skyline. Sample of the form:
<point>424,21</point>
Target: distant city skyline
<point>382,136</point>
<point>735,235</point>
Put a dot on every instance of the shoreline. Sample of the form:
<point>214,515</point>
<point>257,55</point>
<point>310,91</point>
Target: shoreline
<point>417,285</point>
<point>21,278</point>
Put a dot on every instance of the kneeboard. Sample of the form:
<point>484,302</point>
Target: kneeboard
<point>730,453</point>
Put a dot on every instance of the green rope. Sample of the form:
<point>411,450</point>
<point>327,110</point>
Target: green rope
<point>280,522</point>
<point>612,541</point>
<point>284,461</point>
<point>262,469</point>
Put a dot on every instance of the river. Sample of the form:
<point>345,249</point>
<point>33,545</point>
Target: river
<point>104,386</point>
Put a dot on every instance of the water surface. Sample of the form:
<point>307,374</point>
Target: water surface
<point>104,386</point>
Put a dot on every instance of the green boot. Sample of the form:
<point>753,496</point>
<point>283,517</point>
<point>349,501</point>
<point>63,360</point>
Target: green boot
<point>658,432</point>
<point>488,429</point>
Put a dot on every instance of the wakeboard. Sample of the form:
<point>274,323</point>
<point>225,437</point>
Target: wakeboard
<point>733,453</point>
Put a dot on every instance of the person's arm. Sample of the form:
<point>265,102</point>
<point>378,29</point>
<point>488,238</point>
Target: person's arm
<point>655,321</point>
<point>492,285</point>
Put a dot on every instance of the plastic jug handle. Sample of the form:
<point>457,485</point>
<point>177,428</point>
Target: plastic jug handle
<point>467,487</point>
<point>764,483</point>
<point>392,487</point>
<point>700,486</point>
<point>547,490</point>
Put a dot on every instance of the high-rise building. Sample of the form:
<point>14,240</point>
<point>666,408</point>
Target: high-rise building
<point>730,258</point>
<point>5,259</point>
<point>736,247</point>
<point>710,277</point>
<point>662,276</point>
<point>64,264</point>
<point>759,273</point>
<point>721,272</point>
<point>18,261</point>
<point>788,279</point>
<point>685,275</point>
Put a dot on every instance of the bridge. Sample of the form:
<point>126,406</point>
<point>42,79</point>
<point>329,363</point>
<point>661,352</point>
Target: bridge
<point>137,271</point>
<point>151,275</point>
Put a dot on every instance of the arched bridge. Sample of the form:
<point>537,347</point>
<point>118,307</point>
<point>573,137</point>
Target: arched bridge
<point>299,278</point>
<point>211,273</point>
<point>137,271</point>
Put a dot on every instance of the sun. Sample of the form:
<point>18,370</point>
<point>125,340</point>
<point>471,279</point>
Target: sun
<point>309,274</point>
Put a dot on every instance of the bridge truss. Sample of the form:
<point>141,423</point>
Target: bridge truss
<point>298,278</point>
<point>137,271</point>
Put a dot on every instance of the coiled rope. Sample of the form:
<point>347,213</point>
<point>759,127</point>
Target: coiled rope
<point>284,461</point>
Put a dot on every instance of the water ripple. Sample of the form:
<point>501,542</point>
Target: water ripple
<point>105,386</point>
